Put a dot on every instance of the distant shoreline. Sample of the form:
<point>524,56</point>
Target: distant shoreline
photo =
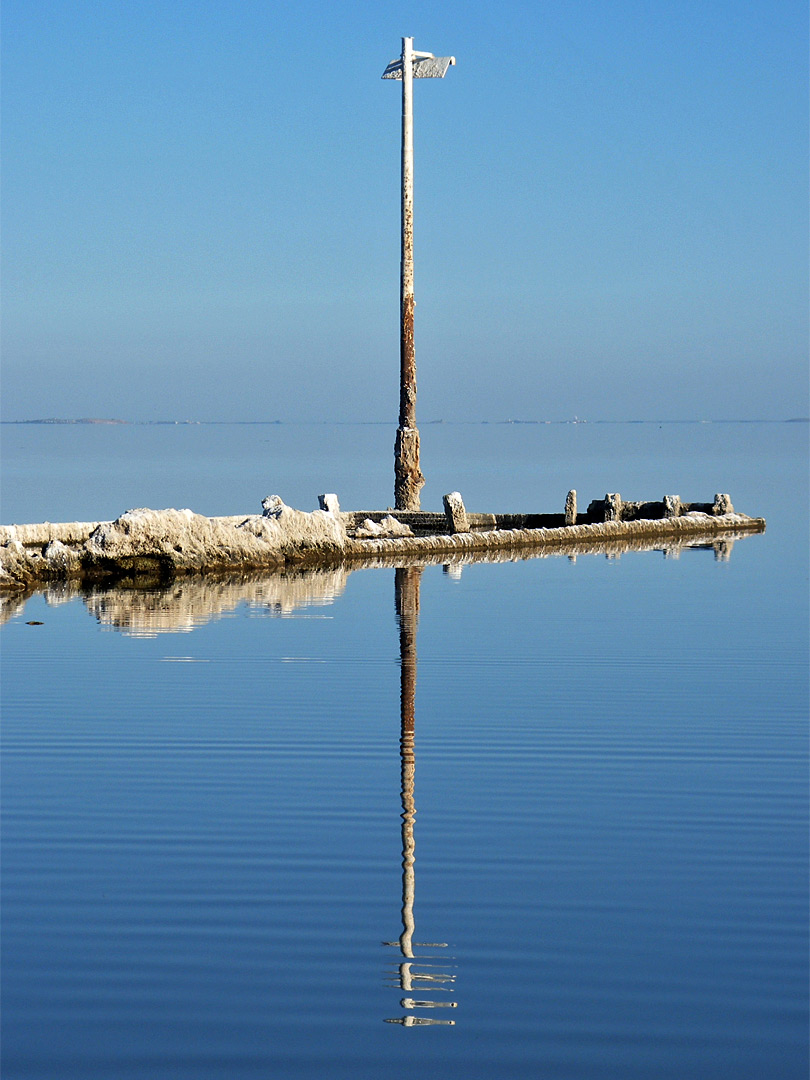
<point>102,421</point>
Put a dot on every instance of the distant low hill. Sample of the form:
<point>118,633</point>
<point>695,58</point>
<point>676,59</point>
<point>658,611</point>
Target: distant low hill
<point>83,420</point>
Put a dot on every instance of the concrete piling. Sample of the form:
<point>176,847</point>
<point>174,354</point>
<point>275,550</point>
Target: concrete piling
<point>571,507</point>
<point>672,506</point>
<point>613,507</point>
<point>455,513</point>
<point>329,503</point>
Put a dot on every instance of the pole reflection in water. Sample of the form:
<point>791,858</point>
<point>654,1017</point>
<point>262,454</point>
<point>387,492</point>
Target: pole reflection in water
<point>431,977</point>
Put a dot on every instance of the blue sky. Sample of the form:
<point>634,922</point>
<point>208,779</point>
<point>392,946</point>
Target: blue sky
<point>201,210</point>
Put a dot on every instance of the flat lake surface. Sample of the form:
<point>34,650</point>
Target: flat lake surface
<point>541,818</point>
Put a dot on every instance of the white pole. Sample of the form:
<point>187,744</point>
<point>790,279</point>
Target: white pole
<point>408,477</point>
<point>406,265</point>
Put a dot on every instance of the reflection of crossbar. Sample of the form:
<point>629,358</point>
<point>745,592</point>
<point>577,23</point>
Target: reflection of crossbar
<point>409,1003</point>
<point>416,977</point>
<point>405,978</point>
<point>418,1021</point>
<point>404,974</point>
<point>420,944</point>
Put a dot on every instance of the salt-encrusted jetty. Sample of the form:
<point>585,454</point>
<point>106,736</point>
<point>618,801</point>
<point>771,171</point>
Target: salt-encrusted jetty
<point>163,544</point>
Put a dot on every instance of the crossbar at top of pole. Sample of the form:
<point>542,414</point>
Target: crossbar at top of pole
<point>408,478</point>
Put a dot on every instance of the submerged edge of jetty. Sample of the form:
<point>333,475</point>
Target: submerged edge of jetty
<point>162,544</point>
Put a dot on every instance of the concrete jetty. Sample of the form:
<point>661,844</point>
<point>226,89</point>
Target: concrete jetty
<point>163,544</point>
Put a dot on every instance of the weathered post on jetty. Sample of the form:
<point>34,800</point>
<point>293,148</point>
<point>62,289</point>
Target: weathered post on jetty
<point>408,479</point>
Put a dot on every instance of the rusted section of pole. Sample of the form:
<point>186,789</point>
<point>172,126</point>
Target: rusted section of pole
<point>407,356</point>
<point>408,478</point>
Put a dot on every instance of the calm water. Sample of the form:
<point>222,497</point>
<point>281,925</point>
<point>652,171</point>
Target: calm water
<point>574,790</point>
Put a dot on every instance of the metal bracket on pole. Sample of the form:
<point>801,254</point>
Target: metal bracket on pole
<point>425,66</point>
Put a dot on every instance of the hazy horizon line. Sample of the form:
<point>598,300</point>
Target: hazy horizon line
<point>115,421</point>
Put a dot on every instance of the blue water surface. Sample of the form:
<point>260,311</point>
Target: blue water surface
<point>202,786</point>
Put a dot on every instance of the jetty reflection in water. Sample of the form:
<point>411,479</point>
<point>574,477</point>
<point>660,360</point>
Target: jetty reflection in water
<point>189,602</point>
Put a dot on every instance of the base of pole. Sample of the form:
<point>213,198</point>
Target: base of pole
<point>408,478</point>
